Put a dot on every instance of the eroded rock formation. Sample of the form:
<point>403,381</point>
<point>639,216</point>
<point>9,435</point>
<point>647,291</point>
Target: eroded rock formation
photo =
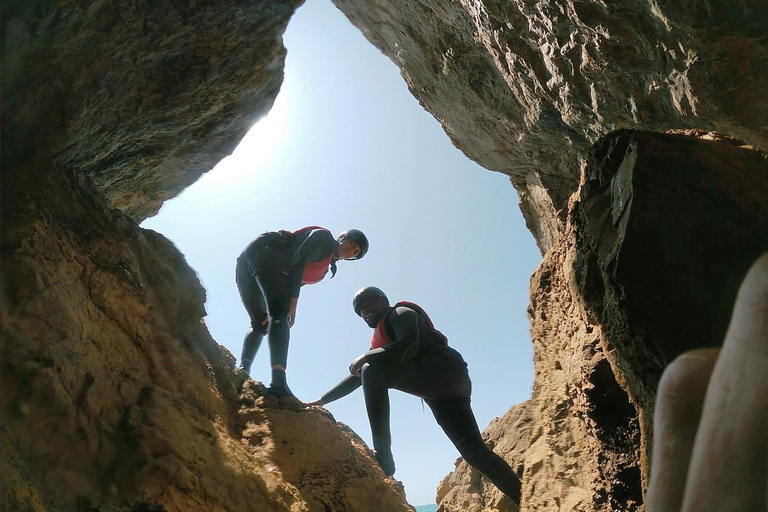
<point>142,97</point>
<point>116,398</point>
<point>525,87</point>
<point>645,237</point>
<point>658,237</point>
<point>114,395</point>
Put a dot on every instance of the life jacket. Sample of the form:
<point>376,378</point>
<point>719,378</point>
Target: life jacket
<point>314,271</point>
<point>380,337</point>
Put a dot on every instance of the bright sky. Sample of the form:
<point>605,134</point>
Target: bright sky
<point>346,145</point>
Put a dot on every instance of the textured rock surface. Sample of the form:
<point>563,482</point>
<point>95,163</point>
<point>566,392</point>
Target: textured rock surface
<point>465,489</point>
<point>114,397</point>
<point>658,237</point>
<point>141,96</point>
<point>525,87</point>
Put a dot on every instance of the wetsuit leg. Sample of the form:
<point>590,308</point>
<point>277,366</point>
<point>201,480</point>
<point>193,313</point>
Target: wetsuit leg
<point>267,258</point>
<point>267,261</point>
<point>274,285</point>
<point>457,420</point>
<point>253,300</point>
<point>441,376</point>
<point>376,391</point>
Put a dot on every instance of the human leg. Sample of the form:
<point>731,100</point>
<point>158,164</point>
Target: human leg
<point>253,301</point>
<point>457,420</point>
<point>438,377</point>
<point>274,286</point>
<point>376,391</point>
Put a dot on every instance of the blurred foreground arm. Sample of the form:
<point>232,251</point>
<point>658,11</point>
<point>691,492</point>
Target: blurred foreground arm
<point>711,421</point>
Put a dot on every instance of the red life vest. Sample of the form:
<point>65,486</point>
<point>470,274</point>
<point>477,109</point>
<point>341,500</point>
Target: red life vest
<point>314,271</point>
<point>380,337</point>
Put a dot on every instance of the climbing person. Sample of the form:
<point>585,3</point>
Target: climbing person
<point>408,354</point>
<point>269,274</point>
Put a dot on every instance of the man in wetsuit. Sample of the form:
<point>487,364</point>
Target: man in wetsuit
<point>269,275</point>
<point>408,354</point>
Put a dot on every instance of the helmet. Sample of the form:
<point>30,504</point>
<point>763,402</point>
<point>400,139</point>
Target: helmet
<point>358,237</point>
<point>369,292</point>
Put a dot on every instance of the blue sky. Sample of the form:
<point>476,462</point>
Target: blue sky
<point>346,145</point>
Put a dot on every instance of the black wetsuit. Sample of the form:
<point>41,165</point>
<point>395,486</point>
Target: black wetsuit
<point>419,362</point>
<point>268,274</point>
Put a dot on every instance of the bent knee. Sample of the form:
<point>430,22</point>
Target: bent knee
<point>257,327</point>
<point>368,371</point>
<point>371,374</point>
<point>278,321</point>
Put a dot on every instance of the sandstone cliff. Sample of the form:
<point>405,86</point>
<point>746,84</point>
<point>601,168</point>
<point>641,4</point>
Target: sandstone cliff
<point>525,87</point>
<point>645,236</point>
<point>114,396</point>
<point>658,237</point>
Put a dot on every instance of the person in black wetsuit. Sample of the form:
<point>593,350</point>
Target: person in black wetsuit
<point>269,274</point>
<point>408,354</point>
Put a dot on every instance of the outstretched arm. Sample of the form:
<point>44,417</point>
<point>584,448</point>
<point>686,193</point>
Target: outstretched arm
<point>340,390</point>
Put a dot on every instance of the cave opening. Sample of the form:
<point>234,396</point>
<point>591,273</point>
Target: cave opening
<point>347,145</point>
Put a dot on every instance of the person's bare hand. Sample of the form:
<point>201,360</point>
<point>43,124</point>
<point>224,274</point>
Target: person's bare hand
<point>711,421</point>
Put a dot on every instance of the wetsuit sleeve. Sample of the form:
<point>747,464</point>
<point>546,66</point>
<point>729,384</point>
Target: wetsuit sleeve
<point>408,329</point>
<point>342,389</point>
<point>317,245</point>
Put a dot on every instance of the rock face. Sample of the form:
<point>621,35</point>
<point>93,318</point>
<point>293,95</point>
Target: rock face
<point>114,396</point>
<point>142,97</point>
<point>525,87</point>
<point>645,236</point>
<point>658,237</point>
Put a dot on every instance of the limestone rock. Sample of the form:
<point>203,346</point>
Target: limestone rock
<point>114,395</point>
<point>658,237</point>
<point>525,87</point>
<point>143,97</point>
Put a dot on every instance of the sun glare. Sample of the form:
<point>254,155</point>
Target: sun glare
<point>257,148</point>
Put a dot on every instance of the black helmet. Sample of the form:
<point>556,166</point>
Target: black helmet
<point>368,292</point>
<point>359,238</point>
